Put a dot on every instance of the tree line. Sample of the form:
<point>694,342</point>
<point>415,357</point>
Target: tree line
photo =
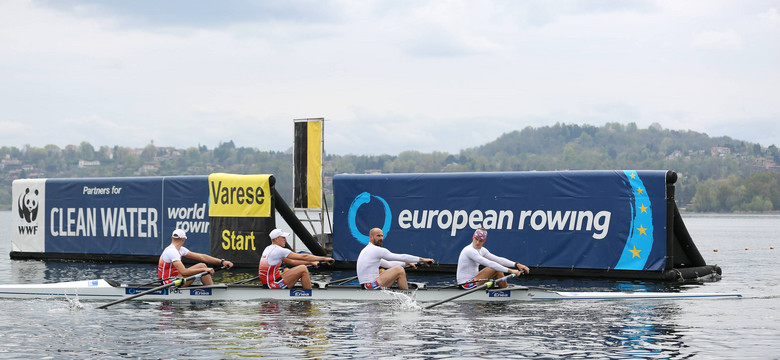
<point>739,176</point>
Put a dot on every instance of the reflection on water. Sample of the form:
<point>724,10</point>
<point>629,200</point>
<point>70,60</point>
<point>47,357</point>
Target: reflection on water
<point>561,330</point>
<point>314,330</point>
<point>304,329</point>
<point>658,329</point>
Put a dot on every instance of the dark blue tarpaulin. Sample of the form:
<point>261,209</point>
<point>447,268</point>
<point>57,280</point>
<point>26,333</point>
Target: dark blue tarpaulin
<point>563,219</point>
<point>133,216</point>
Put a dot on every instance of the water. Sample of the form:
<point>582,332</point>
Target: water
<point>747,328</point>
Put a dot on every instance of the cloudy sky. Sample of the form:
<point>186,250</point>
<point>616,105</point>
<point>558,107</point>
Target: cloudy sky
<point>388,76</point>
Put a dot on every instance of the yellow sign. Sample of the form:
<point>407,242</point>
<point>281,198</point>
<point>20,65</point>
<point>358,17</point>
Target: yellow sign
<point>233,241</point>
<point>314,165</point>
<point>239,195</point>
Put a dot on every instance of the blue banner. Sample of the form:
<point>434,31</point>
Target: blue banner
<point>568,219</point>
<point>185,202</point>
<point>133,216</point>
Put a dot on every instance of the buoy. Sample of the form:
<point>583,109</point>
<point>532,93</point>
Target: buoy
<point>746,249</point>
<point>714,250</point>
<point>771,248</point>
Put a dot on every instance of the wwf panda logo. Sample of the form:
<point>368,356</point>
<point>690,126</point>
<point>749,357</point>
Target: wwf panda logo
<point>28,205</point>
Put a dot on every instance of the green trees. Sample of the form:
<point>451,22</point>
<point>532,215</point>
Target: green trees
<point>735,180</point>
<point>758,193</point>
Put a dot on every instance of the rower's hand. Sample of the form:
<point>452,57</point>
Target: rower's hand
<point>516,272</point>
<point>314,263</point>
<point>227,264</point>
<point>523,269</point>
<point>328,261</point>
<point>412,265</point>
<point>210,270</point>
<point>426,261</point>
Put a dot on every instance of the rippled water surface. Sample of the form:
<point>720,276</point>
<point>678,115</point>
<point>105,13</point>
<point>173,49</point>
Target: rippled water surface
<point>706,329</point>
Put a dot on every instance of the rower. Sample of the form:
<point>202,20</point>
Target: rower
<point>374,256</point>
<point>273,257</point>
<point>170,264</point>
<point>476,254</point>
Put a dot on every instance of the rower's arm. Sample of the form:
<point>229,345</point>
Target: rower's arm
<point>208,259</point>
<point>305,259</point>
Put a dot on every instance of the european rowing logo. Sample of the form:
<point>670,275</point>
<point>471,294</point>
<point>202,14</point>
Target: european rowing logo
<point>640,237</point>
<point>365,198</point>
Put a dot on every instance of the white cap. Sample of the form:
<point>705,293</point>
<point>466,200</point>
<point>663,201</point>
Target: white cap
<point>275,233</point>
<point>179,234</point>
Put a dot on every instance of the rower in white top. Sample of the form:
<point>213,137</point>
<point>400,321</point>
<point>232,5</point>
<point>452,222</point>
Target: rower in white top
<point>170,264</point>
<point>475,254</point>
<point>277,253</point>
<point>374,256</point>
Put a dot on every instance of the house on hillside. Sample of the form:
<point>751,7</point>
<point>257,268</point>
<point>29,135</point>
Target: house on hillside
<point>720,151</point>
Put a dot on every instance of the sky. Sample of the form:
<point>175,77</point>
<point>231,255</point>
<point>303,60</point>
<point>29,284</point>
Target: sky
<point>388,76</point>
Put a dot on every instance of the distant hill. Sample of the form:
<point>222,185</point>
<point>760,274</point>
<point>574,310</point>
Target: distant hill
<point>696,157</point>
<point>714,171</point>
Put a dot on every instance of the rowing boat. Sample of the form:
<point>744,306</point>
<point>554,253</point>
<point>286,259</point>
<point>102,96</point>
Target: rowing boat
<point>111,290</point>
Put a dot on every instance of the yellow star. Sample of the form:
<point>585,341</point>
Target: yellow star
<point>635,253</point>
<point>633,175</point>
<point>643,208</point>
<point>639,190</point>
<point>642,230</point>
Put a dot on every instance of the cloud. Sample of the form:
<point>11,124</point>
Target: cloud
<point>201,14</point>
<point>716,40</point>
<point>388,75</point>
<point>15,130</point>
<point>771,18</point>
<point>745,128</point>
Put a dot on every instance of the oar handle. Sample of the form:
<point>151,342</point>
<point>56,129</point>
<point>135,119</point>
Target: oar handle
<point>427,263</point>
<point>464,283</point>
<point>341,281</point>
<point>492,282</point>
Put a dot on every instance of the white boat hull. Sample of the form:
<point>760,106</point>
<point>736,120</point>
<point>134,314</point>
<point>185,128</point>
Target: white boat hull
<point>102,290</point>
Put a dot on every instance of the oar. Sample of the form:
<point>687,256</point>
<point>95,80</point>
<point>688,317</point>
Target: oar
<point>463,283</point>
<point>481,287</point>
<point>245,281</point>
<point>341,281</point>
<point>158,281</point>
<point>178,282</point>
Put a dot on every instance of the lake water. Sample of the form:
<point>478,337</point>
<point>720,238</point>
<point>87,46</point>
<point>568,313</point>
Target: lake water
<point>746,328</point>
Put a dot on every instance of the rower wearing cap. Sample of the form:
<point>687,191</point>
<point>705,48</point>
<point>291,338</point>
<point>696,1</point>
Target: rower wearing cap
<point>374,256</point>
<point>170,265</point>
<point>273,257</point>
<point>476,254</point>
